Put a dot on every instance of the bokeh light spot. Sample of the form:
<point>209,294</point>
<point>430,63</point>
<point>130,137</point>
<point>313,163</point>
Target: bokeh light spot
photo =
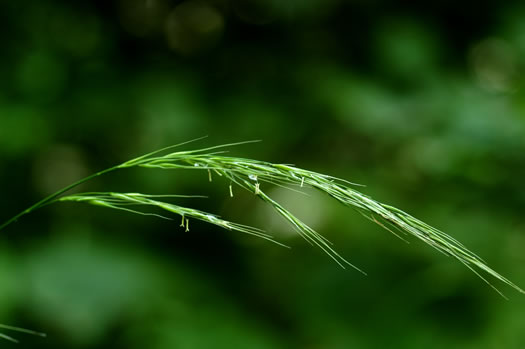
<point>142,17</point>
<point>193,27</point>
<point>494,63</point>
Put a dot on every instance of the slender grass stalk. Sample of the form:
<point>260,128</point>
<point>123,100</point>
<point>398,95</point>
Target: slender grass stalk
<point>18,329</point>
<point>49,199</point>
<point>252,175</point>
<point>53,196</point>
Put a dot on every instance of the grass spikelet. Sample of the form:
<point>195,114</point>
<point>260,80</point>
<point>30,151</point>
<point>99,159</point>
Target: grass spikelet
<point>123,201</point>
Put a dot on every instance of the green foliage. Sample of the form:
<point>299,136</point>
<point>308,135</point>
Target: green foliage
<point>423,103</point>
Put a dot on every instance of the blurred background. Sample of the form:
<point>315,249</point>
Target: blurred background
<point>423,103</point>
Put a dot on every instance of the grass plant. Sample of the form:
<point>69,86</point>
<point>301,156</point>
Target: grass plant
<point>254,176</point>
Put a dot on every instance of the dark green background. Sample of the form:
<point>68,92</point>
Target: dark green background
<point>423,103</point>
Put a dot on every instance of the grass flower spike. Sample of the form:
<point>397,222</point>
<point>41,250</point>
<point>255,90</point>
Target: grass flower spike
<point>254,176</point>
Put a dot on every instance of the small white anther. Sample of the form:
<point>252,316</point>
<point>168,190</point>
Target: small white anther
<point>253,177</point>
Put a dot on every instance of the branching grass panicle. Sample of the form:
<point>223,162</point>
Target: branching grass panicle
<point>254,176</point>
